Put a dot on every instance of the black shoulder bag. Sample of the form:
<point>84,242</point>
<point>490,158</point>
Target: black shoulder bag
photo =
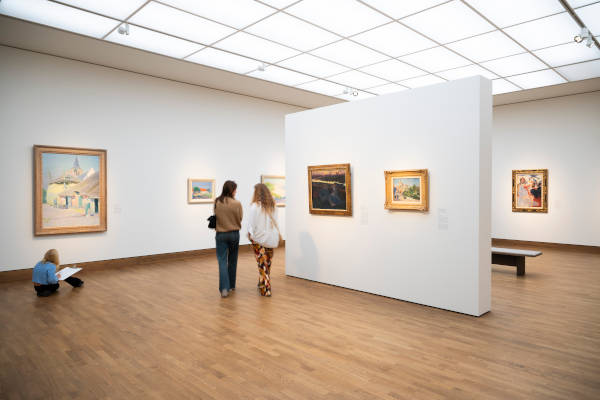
<point>212,220</point>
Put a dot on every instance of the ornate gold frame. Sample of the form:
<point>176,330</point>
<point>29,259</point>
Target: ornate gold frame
<point>421,173</point>
<point>37,157</point>
<point>262,180</point>
<point>348,210</point>
<point>544,207</point>
<point>192,201</point>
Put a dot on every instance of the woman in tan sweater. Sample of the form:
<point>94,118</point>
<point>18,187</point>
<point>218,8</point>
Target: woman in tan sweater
<point>229,222</point>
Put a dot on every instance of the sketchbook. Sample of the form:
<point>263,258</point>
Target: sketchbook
<point>67,272</point>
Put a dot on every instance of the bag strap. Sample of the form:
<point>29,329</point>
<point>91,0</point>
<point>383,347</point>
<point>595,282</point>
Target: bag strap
<point>274,223</point>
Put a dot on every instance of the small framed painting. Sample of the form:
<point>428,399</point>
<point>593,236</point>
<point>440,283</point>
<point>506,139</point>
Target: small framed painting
<point>70,190</point>
<point>530,190</point>
<point>329,189</point>
<point>276,185</point>
<point>201,190</point>
<point>407,190</point>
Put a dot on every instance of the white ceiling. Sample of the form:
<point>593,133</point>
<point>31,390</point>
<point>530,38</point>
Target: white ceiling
<point>371,47</point>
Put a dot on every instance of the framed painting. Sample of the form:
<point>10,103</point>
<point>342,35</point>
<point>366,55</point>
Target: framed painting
<point>530,190</point>
<point>329,189</point>
<point>201,190</point>
<point>70,190</point>
<point>276,185</point>
<point>407,190</point>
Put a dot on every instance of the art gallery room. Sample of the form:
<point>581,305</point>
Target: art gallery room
<point>440,240</point>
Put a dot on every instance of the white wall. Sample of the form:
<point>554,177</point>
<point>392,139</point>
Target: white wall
<point>562,135</point>
<point>411,256</point>
<point>157,134</point>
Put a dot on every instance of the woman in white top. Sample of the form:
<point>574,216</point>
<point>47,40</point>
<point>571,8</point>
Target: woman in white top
<point>263,233</point>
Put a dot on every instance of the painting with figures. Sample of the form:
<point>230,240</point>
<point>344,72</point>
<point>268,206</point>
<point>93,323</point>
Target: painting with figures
<point>407,190</point>
<point>530,190</point>
<point>70,190</point>
<point>201,190</point>
<point>330,189</point>
<point>276,185</point>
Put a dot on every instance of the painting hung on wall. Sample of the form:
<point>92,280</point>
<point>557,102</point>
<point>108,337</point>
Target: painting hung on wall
<point>407,190</point>
<point>70,190</point>
<point>201,190</point>
<point>329,189</point>
<point>276,185</point>
<point>530,190</point>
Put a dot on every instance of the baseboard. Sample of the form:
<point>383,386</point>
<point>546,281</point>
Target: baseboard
<point>561,246</point>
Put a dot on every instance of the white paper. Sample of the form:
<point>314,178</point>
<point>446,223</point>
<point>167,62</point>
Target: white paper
<point>66,272</point>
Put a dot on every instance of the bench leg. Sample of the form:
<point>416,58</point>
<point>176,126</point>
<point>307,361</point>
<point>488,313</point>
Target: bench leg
<point>520,264</point>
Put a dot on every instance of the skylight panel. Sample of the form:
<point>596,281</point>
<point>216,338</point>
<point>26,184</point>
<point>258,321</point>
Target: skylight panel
<point>586,70</point>
<point>281,75</point>
<point>513,65</point>
<point>349,54</point>
<point>223,60</point>
<point>500,86</point>
<point>545,32</point>
<point>148,40</point>
<point>385,89</point>
<point>509,12</point>
<point>251,46</point>
<point>448,22</point>
<point>119,9</point>
<point>568,54</point>
<point>182,24</point>
<point>436,59</point>
<point>465,72</point>
<point>537,79</point>
<point>357,80</point>
<point>393,70</point>
<point>312,65</point>
<point>58,16</point>
<point>487,46</point>
<point>402,8</point>
<point>590,16</point>
<point>422,81</point>
<point>394,40</point>
<point>293,32</point>
<point>340,16</point>
<point>323,87</point>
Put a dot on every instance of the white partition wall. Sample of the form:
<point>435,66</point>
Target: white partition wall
<point>439,258</point>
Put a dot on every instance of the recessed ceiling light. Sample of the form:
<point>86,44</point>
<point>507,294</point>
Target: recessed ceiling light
<point>487,47</point>
<point>545,32</point>
<point>567,54</point>
<point>576,72</point>
<point>349,54</point>
<point>436,59</point>
<point>509,12</point>
<point>281,75</point>
<point>119,9</point>
<point>422,81</point>
<point>500,86</point>
<point>323,87</point>
<point>537,79</point>
<point>148,40</point>
<point>251,46</point>
<point>394,40</point>
<point>402,8</point>
<point>465,72</point>
<point>513,65</point>
<point>356,79</point>
<point>312,65</point>
<point>393,70</point>
<point>223,60</point>
<point>385,89</point>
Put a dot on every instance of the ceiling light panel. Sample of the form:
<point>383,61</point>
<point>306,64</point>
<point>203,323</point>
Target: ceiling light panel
<point>394,40</point>
<point>223,60</point>
<point>422,81</point>
<point>398,9</point>
<point>281,75</point>
<point>580,3</point>
<point>357,80</point>
<point>465,72</point>
<point>510,12</point>
<point>487,47</point>
<point>293,32</point>
<point>581,71</point>
<point>279,4</point>
<point>119,9</point>
<point>393,70</point>
<point>513,65</point>
<point>385,89</point>
<point>349,54</point>
<point>255,47</point>
<point>537,79</point>
<point>545,32</point>
<point>323,87</point>
<point>340,16</point>
<point>235,13</point>
<point>179,23</point>
<point>312,65</point>
<point>360,95</point>
<point>448,22</point>
<point>58,16</point>
<point>590,16</point>
<point>148,40</point>
<point>500,86</point>
<point>436,59</point>
<point>568,54</point>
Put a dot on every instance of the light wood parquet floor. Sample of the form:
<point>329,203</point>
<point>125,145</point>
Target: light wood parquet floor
<point>161,331</point>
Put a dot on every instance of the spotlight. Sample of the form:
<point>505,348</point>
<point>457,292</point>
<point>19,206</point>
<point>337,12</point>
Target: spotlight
<point>262,67</point>
<point>589,41</point>
<point>355,93</point>
<point>584,34</point>
<point>346,90</point>
<point>124,29</point>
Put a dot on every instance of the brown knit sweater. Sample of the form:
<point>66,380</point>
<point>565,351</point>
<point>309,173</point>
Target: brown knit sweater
<point>229,215</point>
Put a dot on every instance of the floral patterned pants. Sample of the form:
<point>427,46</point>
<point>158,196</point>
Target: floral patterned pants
<point>263,259</point>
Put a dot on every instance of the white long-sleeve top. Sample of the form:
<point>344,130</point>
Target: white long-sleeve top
<point>261,228</point>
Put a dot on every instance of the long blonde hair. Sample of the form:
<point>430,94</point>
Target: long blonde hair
<point>263,197</point>
<point>52,257</point>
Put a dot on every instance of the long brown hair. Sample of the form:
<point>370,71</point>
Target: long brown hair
<point>52,257</point>
<point>228,189</point>
<point>263,197</point>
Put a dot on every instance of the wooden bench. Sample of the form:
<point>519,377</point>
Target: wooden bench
<point>513,257</point>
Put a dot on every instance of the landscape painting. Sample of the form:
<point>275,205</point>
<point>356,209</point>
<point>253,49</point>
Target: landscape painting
<point>329,189</point>
<point>201,190</point>
<point>530,190</point>
<point>407,190</point>
<point>70,191</point>
<point>276,185</point>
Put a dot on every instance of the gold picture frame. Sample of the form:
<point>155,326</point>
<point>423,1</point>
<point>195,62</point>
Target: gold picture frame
<point>407,190</point>
<point>70,190</point>
<point>331,192</point>
<point>276,187</point>
<point>530,190</point>
<point>201,190</point>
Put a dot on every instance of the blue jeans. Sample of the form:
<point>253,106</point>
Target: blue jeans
<point>228,244</point>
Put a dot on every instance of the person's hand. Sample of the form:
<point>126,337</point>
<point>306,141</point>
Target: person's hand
<point>58,275</point>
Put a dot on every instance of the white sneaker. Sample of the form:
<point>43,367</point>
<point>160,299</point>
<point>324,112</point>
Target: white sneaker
<point>224,293</point>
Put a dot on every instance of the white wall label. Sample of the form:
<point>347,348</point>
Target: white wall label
<point>442,219</point>
<point>116,209</point>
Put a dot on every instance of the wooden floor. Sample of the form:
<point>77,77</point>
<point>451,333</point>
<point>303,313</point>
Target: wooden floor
<point>161,331</point>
